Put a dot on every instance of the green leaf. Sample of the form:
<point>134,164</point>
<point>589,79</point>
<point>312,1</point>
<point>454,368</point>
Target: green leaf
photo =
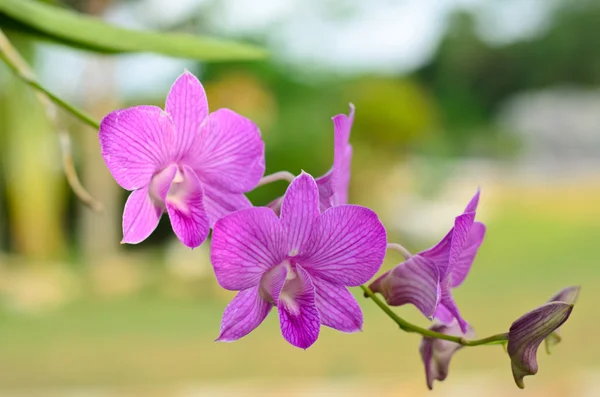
<point>82,31</point>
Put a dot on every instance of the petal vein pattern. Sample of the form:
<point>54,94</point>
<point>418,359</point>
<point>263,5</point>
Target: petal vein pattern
<point>246,244</point>
<point>348,246</point>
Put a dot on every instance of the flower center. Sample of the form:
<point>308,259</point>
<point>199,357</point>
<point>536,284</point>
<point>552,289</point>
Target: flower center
<point>281,280</point>
<point>169,184</point>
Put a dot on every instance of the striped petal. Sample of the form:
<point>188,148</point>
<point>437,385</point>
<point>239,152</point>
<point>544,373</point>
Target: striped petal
<point>245,245</point>
<point>347,247</point>
<point>337,307</point>
<point>220,203</point>
<point>299,211</point>
<point>447,311</point>
<point>140,217</point>
<point>462,265</point>
<point>243,314</point>
<point>298,313</point>
<point>185,205</point>
<point>187,105</point>
<point>229,152</point>
<point>415,282</point>
<point>136,143</point>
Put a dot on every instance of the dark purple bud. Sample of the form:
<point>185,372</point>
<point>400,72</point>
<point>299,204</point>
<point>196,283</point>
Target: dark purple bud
<point>528,332</point>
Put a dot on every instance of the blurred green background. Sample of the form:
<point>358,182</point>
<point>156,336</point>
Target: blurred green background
<point>450,95</point>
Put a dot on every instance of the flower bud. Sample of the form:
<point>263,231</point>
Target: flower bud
<point>436,353</point>
<point>528,332</point>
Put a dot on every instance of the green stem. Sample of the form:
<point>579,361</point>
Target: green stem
<point>409,327</point>
<point>8,54</point>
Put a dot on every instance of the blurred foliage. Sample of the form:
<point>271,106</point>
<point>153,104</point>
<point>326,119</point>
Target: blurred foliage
<point>48,22</point>
<point>385,121</point>
<point>471,78</point>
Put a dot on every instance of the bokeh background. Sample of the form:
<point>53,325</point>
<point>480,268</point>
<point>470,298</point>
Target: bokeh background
<point>450,95</point>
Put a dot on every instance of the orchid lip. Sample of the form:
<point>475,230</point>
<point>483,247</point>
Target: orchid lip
<point>178,177</point>
<point>270,276</point>
<point>169,184</point>
<point>277,290</point>
<point>157,185</point>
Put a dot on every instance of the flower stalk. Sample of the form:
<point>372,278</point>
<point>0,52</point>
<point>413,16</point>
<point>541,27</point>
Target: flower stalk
<point>412,328</point>
<point>7,55</point>
<point>49,101</point>
<point>277,176</point>
<point>400,248</point>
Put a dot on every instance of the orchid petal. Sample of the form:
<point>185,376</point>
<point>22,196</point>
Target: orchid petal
<point>337,307</point>
<point>245,244</point>
<point>135,143</point>
<point>299,211</point>
<point>219,203</point>
<point>144,207</point>
<point>229,152</point>
<point>326,191</point>
<point>185,206</point>
<point>439,254</point>
<point>415,281</point>
<point>275,205</point>
<point>298,314</point>
<point>447,303</point>
<point>342,157</point>
<point>347,247</point>
<point>187,105</point>
<point>443,315</point>
<point>472,206</point>
<point>140,217</point>
<point>160,184</point>
<point>458,248</point>
<point>460,235</point>
<point>243,314</point>
<point>462,266</point>
<point>528,332</point>
<point>273,281</point>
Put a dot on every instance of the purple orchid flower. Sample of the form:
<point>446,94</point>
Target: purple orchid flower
<point>194,165</point>
<point>333,186</point>
<point>426,279</point>
<point>528,332</point>
<point>436,353</point>
<point>301,262</point>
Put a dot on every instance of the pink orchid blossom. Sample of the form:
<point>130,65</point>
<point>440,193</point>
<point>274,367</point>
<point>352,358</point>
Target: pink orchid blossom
<point>182,160</point>
<point>426,279</point>
<point>300,262</point>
